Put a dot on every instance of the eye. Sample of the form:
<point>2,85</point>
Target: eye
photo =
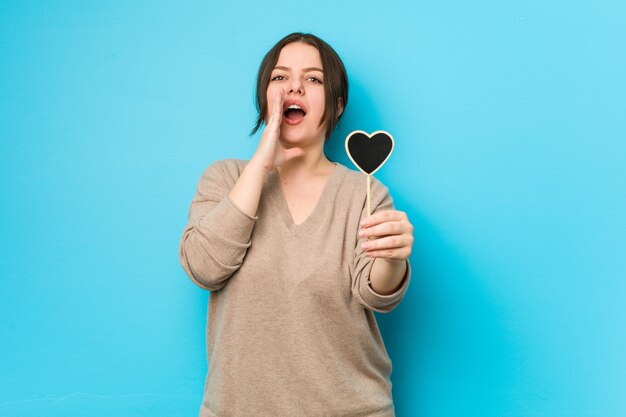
<point>276,77</point>
<point>317,80</point>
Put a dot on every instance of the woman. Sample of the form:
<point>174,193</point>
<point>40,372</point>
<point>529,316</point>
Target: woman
<point>279,243</point>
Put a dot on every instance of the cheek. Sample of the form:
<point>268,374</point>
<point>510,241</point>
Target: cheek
<point>319,106</point>
<point>316,102</point>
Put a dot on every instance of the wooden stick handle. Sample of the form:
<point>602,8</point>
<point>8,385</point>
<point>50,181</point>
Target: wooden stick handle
<point>369,208</point>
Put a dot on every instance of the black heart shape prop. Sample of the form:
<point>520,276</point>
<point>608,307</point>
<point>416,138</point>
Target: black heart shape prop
<point>369,152</point>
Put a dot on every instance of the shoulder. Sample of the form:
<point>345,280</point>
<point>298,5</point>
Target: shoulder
<point>225,170</point>
<point>218,178</point>
<point>357,181</point>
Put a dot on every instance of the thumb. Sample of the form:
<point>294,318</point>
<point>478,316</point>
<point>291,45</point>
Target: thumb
<point>293,153</point>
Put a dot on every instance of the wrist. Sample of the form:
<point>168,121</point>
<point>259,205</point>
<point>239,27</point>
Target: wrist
<point>258,166</point>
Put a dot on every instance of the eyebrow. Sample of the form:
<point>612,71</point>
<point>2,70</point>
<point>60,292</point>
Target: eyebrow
<point>305,70</point>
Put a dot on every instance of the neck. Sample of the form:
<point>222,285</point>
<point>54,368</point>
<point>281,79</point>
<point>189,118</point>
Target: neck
<point>312,163</point>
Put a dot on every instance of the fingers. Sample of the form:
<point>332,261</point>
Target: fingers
<point>389,242</point>
<point>269,150</point>
<point>394,232</point>
<point>293,153</point>
<point>397,247</point>
<point>277,109</point>
<point>398,254</point>
<point>384,229</point>
<point>383,216</point>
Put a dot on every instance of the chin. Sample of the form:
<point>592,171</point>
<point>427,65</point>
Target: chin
<point>292,139</point>
<point>295,138</point>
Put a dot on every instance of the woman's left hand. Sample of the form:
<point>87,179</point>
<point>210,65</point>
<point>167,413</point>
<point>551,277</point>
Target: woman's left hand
<point>393,235</point>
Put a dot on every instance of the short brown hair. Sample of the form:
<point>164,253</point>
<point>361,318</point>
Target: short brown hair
<point>335,79</point>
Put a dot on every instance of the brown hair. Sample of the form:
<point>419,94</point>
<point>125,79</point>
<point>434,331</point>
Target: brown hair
<point>335,79</point>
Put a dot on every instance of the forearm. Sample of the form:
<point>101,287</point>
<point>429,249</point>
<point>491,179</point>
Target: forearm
<point>386,276</point>
<point>246,192</point>
<point>214,245</point>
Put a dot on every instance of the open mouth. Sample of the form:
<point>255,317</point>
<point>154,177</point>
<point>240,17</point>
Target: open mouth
<point>294,114</point>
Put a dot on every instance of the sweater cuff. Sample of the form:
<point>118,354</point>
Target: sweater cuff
<point>382,303</point>
<point>233,205</point>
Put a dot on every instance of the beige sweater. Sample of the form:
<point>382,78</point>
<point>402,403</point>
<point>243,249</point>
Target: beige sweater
<point>291,329</point>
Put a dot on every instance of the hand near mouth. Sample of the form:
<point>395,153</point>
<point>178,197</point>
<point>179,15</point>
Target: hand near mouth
<point>270,153</point>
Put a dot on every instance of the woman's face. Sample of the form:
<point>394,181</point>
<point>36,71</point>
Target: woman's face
<point>299,72</point>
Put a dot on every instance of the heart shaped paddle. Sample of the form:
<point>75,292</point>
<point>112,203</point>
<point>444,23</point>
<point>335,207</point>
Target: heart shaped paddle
<point>369,153</point>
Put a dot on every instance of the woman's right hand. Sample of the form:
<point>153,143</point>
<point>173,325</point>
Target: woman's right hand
<point>270,153</point>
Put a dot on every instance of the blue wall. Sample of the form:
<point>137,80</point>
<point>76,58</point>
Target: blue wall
<point>510,162</point>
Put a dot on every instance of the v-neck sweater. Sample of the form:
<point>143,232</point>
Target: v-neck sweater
<point>291,329</point>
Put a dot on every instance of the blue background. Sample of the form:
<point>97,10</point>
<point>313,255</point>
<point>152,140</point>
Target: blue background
<point>510,162</point>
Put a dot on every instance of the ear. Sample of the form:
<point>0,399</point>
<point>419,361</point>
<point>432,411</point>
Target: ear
<point>340,103</point>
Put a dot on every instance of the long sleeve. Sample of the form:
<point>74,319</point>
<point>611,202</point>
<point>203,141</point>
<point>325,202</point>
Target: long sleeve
<point>362,264</point>
<point>217,235</point>
<point>296,317</point>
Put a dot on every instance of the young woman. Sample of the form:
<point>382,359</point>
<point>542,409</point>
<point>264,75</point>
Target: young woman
<point>295,266</point>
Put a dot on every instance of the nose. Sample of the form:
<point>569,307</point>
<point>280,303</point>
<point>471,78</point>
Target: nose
<point>295,86</point>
